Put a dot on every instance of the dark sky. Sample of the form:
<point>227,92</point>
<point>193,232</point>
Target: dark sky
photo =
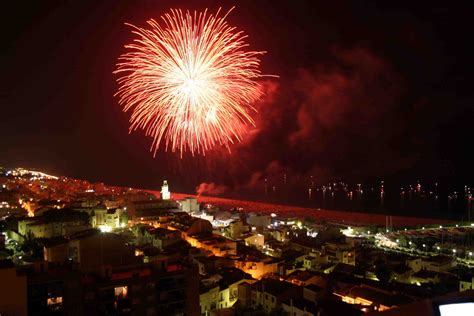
<point>367,90</point>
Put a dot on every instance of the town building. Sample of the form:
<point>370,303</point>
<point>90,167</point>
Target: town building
<point>373,298</point>
<point>109,219</point>
<point>258,220</point>
<point>466,284</point>
<point>268,294</point>
<point>189,205</point>
<point>439,263</point>
<point>340,252</point>
<point>220,291</point>
<point>255,240</point>
<point>63,222</point>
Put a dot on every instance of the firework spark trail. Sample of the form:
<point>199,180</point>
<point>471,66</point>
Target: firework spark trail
<point>189,82</point>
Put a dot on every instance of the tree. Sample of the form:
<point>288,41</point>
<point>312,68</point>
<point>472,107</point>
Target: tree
<point>32,246</point>
<point>331,234</point>
<point>383,273</point>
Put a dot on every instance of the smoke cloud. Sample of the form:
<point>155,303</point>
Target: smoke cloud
<point>348,117</point>
<point>210,189</point>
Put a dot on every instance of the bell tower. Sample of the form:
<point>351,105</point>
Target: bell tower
<point>165,193</point>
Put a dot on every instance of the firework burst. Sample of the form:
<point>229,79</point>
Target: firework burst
<point>189,82</point>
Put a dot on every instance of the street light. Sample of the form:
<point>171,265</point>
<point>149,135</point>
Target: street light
<point>454,250</point>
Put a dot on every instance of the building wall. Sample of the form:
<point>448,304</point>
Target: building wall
<point>22,226</point>
<point>13,300</point>
<point>48,230</point>
<point>439,267</point>
<point>257,240</point>
<point>199,226</point>
<point>99,250</point>
<point>309,263</point>
<point>295,311</point>
<point>415,264</point>
<point>256,269</point>
<point>58,253</point>
<point>280,235</point>
<point>166,293</point>
<point>340,253</point>
<point>115,220</point>
<point>189,205</point>
<point>2,241</point>
<point>236,229</point>
<point>265,301</point>
<point>229,296</point>
<point>464,286</point>
<point>259,220</point>
<point>209,300</point>
<point>219,249</point>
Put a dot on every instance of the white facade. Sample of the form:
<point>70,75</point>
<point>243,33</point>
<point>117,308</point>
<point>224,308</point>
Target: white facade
<point>189,205</point>
<point>257,240</point>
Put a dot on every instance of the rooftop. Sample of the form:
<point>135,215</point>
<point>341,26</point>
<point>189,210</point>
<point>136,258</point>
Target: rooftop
<point>275,287</point>
<point>231,276</point>
<point>440,259</point>
<point>302,304</point>
<point>378,296</point>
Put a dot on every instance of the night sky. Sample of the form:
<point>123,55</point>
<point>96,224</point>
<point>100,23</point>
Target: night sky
<point>367,90</point>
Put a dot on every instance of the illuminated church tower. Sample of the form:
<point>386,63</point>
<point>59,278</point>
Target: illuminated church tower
<point>165,193</point>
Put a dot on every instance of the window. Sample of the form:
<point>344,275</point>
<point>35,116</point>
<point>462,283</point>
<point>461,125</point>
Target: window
<point>55,303</point>
<point>121,292</point>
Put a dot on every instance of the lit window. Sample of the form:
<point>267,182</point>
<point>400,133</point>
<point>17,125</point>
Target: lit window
<point>55,303</point>
<point>121,292</point>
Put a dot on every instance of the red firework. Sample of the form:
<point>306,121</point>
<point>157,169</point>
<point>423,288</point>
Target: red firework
<point>189,82</point>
